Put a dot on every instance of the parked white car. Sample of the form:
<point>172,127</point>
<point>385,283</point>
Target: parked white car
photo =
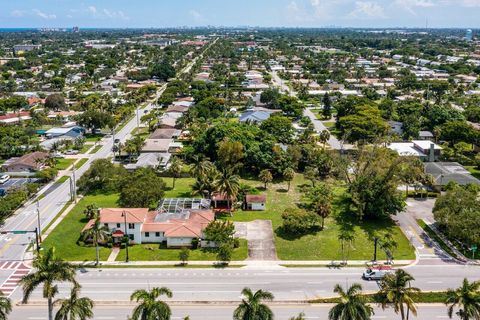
<point>71,152</point>
<point>4,178</point>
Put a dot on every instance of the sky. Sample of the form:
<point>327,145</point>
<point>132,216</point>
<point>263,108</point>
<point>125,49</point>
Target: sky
<point>232,13</point>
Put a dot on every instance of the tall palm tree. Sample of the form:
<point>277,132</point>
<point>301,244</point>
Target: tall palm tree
<point>150,307</point>
<point>352,305</point>
<point>49,269</point>
<point>229,184</point>
<point>97,233</point>
<point>321,201</point>
<point>5,306</point>
<point>466,299</point>
<point>175,169</point>
<point>395,290</point>
<point>200,167</point>
<point>252,307</point>
<point>74,307</point>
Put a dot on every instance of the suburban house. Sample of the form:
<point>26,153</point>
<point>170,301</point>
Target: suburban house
<point>176,222</point>
<point>444,172</point>
<point>70,132</point>
<point>423,149</point>
<point>15,117</point>
<point>252,116</point>
<point>30,162</point>
<point>255,202</point>
<point>165,134</point>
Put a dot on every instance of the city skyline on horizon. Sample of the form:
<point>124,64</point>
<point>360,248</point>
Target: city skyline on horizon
<point>280,13</point>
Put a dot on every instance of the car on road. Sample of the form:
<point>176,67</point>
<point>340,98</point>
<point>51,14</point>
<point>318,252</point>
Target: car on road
<point>4,178</point>
<point>376,273</point>
<point>71,152</point>
<point>57,155</point>
<point>116,141</point>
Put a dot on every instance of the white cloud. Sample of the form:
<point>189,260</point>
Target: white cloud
<point>17,13</point>
<point>92,9</point>
<point>367,10</point>
<point>410,5</point>
<point>197,16</point>
<point>44,15</point>
<point>471,3</point>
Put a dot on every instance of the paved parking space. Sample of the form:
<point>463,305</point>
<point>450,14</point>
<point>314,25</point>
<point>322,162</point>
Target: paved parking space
<point>261,243</point>
<point>16,182</point>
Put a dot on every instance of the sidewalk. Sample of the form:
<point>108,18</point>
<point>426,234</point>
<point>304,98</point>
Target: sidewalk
<point>244,263</point>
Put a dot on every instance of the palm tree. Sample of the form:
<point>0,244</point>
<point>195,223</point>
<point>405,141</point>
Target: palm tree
<point>321,201</point>
<point>175,169</point>
<point>352,305</point>
<point>252,307</point>
<point>395,289</point>
<point>229,184</point>
<point>289,175</point>
<point>50,269</point>
<point>5,306</point>
<point>74,307</point>
<point>201,167</point>
<point>324,137</point>
<point>266,177</point>
<point>150,307</point>
<point>97,233</point>
<point>466,299</point>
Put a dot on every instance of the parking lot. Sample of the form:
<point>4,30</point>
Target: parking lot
<point>16,182</point>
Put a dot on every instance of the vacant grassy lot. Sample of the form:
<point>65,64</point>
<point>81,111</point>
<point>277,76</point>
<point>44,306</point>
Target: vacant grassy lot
<point>63,164</point>
<point>321,245</point>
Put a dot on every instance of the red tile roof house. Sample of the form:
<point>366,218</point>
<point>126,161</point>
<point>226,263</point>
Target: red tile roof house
<point>176,229</point>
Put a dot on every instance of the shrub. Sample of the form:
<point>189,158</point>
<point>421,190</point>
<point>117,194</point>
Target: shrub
<point>299,221</point>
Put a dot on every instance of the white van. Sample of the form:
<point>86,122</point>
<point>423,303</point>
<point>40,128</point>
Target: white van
<point>375,273</point>
<point>4,178</point>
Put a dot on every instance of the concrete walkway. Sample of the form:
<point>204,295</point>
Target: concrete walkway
<point>113,255</point>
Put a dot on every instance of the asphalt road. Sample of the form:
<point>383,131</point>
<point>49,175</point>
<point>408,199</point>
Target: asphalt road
<point>282,312</point>
<point>287,284</point>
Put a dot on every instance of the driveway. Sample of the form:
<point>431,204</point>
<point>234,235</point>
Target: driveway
<point>259,234</point>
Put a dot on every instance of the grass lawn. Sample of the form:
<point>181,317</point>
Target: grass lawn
<point>85,148</point>
<point>329,124</point>
<point>95,150</point>
<point>321,245</point>
<point>474,171</point>
<point>90,137</point>
<point>63,164</point>
<point>64,237</point>
<point>435,237</point>
<point>155,252</point>
<point>62,179</point>
<point>80,163</point>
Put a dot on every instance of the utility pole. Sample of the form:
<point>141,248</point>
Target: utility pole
<point>375,240</point>
<point>127,238</point>
<point>38,221</point>
<point>74,185</point>
<point>138,119</point>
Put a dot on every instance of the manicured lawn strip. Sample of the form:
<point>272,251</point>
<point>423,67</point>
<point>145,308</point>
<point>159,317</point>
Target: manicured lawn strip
<point>56,217</point>
<point>85,148</point>
<point>62,179</point>
<point>421,297</point>
<point>63,164</point>
<point>162,266</point>
<point>435,237</point>
<point>153,252</point>
<point>95,150</point>
<point>329,124</point>
<point>64,237</point>
<point>80,163</point>
<point>93,137</point>
<point>321,245</point>
<point>474,171</point>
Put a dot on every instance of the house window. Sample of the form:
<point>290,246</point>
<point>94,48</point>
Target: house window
<point>147,234</point>
<point>157,234</point>
<point>131,226</point>
<point>131,237</point>
<point>118,225</point>
<point>106,225</point>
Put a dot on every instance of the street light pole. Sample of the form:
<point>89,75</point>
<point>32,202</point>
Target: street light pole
<point>38,221</point>
<point>127,238</point>
<point>375,249</point>
<point>74,187</point>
